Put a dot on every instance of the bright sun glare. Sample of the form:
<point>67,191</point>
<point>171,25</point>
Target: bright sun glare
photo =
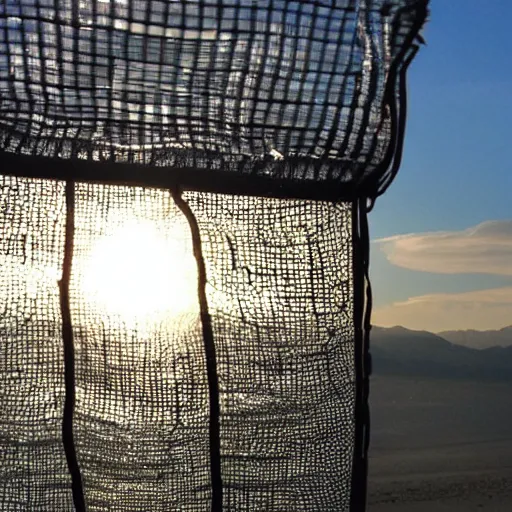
<point>141,273</point>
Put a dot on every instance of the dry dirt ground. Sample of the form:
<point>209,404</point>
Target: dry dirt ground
<point>440,446</point>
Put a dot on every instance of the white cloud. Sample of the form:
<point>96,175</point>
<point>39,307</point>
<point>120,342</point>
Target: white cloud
<point>479,310</point>
<point>485,248</point>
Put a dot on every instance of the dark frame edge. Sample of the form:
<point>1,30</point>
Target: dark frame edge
<point>171,178</point>
<point>362,358</point>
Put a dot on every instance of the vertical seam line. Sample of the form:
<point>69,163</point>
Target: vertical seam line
<point>361,357</point>
<point>69,353</point>
<point>210,353</point>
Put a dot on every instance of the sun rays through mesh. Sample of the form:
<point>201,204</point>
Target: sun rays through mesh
<point>184,296</point>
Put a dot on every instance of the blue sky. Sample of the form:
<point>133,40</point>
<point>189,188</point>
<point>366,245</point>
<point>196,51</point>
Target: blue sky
<point>455,175</point>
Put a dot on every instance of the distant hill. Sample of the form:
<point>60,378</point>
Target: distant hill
<point>400,351</point>
<point>480,339</point>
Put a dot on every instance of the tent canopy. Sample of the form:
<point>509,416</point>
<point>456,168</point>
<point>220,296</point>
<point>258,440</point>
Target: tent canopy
<point>252,96</point>
<point>184,296</point>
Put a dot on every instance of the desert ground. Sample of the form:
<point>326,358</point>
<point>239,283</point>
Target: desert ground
<point>440,445</point>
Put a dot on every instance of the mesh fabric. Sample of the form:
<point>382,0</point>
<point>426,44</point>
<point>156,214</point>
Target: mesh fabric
<point>281,89</point>
<point>184,310</point>
<point>280,295</point>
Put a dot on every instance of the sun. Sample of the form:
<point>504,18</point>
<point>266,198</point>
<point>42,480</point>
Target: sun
<point>141,272</point>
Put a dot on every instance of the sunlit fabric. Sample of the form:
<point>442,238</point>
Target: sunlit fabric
<point>184,303</point>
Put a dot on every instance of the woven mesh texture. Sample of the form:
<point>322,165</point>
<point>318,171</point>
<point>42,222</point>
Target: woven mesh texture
<point>280,296</point>
<point>33,470</point>
<point>302,90</point>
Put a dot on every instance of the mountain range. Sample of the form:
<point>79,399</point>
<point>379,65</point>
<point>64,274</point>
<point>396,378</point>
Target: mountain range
<point>480,339</point>
<point>401,351</point>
